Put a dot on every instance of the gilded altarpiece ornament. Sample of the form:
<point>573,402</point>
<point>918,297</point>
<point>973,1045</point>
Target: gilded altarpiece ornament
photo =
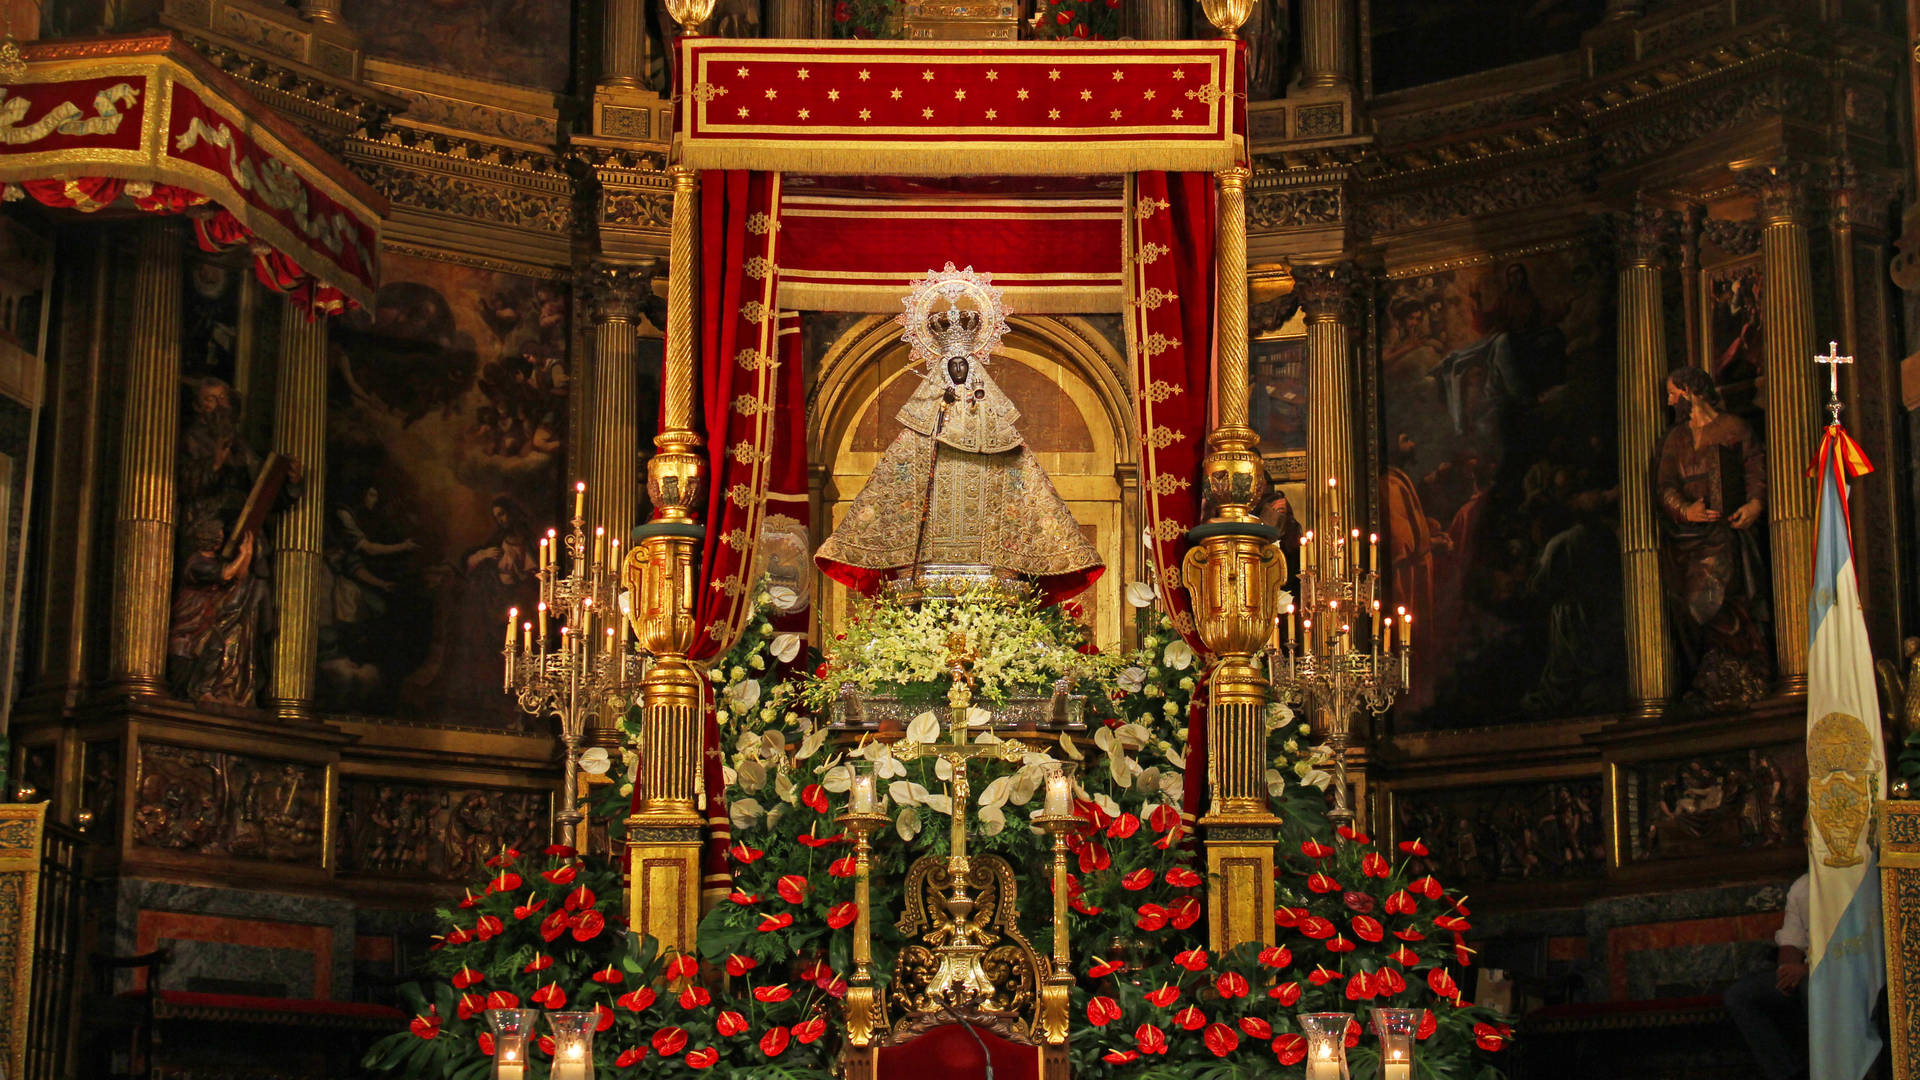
<point>398,829</point>
<point>1899,828</point>
<point>201,801</point>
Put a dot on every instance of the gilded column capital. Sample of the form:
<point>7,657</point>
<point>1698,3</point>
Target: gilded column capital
<point>1327,291</point>
<point>1781,186</point>
<point>1233,177</point>
<point>1644,234</point>
<point>617,292</point>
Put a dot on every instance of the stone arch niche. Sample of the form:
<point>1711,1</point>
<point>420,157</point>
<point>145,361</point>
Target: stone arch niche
<point>1069,384</point>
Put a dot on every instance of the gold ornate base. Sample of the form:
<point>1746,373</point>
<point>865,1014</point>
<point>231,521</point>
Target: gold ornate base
<point>663,882</point>
<point>1239,877</point>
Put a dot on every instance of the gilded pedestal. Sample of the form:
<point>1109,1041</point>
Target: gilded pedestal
<point>1900,908</point>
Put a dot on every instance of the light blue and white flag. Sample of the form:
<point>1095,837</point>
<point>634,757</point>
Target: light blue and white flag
<point>1846,772</point>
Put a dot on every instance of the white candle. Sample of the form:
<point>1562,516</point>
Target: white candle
<point>1322,1066</point>
<point>600,544</point>
<point>1059,792</point>
<point>570,1070</point>
<point>862,794</point>
<point>1396,1067</point>
<point>542,610</point>
<point>579,511</point>
<point>512,614</point>
<point>509,1066</point>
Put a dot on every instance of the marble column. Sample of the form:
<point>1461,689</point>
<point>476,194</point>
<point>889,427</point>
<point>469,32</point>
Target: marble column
<point>149,438</point>
<point>1792,403</point>
<point>1326,292</point>
<point>1326,45</point>
<point>623,44</point>
<point>1642,397</point>
<point>299,433</point>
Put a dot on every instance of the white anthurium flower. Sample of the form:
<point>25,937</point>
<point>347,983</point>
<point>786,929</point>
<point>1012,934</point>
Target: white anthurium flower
<point>810,745</point>
<point>747,742</point>
<point>1319,778</point>
<point>1131,679</point>
<point>837,779</point>
<point>595,761</point>
<point>1107,805</point>
<point>1178,655</point>
<point>744,694</point>
<point>745,813</point>
<point>1103,740</point>
<point>907,823</point>
<point>888,767</point>
<point>986,738</point>
<point>996,792</point>
<point>753,775</point>
<point>1149,779</point>
<point>1068,748</point>
<point>1276,783</point>
<point>1173,785</point>
<point>728,776</point>
<point>1031,759</point>
<point>785,647</point>
<point>939,804</point>
<point>783,597</point>
<point>924,728</point>
<point>1133,736</point>
<point>783,787</point>
<point>1117,768</point>
<point>942,769</point>
<point>774,815</point>
<point>978,717</point>
<point>773,746</point>
<point>993,821</point>
<point>1139,594</point>
<point>1026,783</point>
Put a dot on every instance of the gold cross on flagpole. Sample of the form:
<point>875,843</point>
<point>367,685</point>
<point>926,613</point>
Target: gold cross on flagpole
<point>1833,360</point>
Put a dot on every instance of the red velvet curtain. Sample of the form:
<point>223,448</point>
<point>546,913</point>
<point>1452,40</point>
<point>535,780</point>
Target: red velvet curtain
<point>1170,309</point>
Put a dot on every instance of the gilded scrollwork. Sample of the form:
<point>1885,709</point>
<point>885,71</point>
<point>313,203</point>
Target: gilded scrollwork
<point>472,199</point>
<point>931,921</point>
<point>1294,207</point>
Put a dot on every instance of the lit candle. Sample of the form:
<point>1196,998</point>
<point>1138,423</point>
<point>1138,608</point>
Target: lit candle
<point>1322,1066</point>
<point>600,544</point>
<point>513,613</point>
<point>542,611</point>
<point>526,637</point>
<point>1059,795</point>
<point>611,640</point>
<point>1396,1067</point>
<point>546,554</point>
<point>1389,645</point>
<point>1406,630</point>
<point>509,1067</point>
<point>579,508</point>
<point>1346,638</point>
<point>613,554</point>
<point>862,793</point>
<point>1292,614</point>
<point>574,1066</point>
<point>1373,553</point>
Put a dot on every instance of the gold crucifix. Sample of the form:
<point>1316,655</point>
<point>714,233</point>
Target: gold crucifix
<point>1833,360</point>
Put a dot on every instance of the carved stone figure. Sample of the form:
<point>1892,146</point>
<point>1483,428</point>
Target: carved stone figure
<point>1711,485</point>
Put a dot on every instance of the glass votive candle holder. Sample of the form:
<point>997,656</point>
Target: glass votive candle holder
<point>572,1045</point>
<point>1326,1044</point>
<point>512,1028</point>
<point>1397,1028</point>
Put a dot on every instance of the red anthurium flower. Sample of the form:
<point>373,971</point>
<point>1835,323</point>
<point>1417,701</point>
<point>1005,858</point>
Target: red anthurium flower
<point>809,1030</point>
<point>816,970</point>
<point>603,1017</point>
<point>1353,1034</point>
<point>770,994</point>
<point>1440,981</point>
<point>1427,887</point>
<point>743,854</point>
<point>1314,849</point>
<point>457,936</point>
<point>1221,1039</point>
<point>774,1042</point>
<point>1194,959</point>
<point>580,899</point>
<point>1405,957</point>
<point>1084,908</point>
<point>636,1000</point>
<point>555,924</point>
<point>609,976</point>
<point>770,923</point>
<point>738,965</point>
<point>1451,922</point>
<point>551,995</point>
<point>1094,857</point>
<point>470,900</point>
<point>1231,984</point>
<point>1287,993</point>
<point>1100,969</point>
<point>1123,826</point>
<point>1163,818</point>
<point>531,907</point>
<point>426,1026</point>
<point>1322,883</point>
<point>1167,840</point>
<point>1375,865</point>
<point>469,1005</point>
<point>630,1057</point>
<point>1120,1057</point>
<point>814,797</point>
<point>1359,987</point>
<point>1102,1011</point>
<point>1150,1039</point>
<point>1357,902</point>
<point>683,966</point>
<point>545,1043</point>
<point>1461,954</point>
<point>1491,1036</point>
<point>1320,976</point>
<point>588,924</point>
<point>540,962</point>
<point>1182,877</point>
<point>1190,1019</point>
<point>1399,902</point>
<point>1290,1048</point>
<point>744,899</point>
<point>505,881</point>
<point>466,977</point>
<point>1288,916</point>
<point>792,888</point>
<point>669,1041</point>
<point>841,867</point>
<point>817,842</point>
<point>1184,912</point>
<point>1151,917</point>
<point>1414,847</point>
<point>729,1023</point>
<point>506,858</point>
<point>564,851</point>
<point>1276,956</point>
<point>840,915</point>
<point>1429,1024</point>
<point>1165,996</point>
<point>1316,927</point>
<point>693,997</point>
<point>1138,880</point>
<point>503,999</point>
<point>703,1058</point>
<point>1256,1028</point>
<point>1388,982</point>
<point>1347,832</point>
<point>485,1040</point>
<point>561,875</point>
<point>1408,933</point>
<point>1367,928</point>
<point>1340,944</point>
<point>1459,905</point>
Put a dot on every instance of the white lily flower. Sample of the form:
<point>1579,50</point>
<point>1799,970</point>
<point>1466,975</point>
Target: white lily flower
<point>745,813</point>
<point>1173,785</point>
<point>1133,736</point>
<point>727,776</point>
<point>887,767</point>
<point>1276,783</point>
<point>595,761</point>
<point>1178,656</point>
<point>746,742</point>
<point>1139,594</point>
<point>785,647</point>
<point>924,728</point>
<point>1106,804</point>
<point>1026,784</point>
<point>1319,778</point>
<point>1103,740</point>
<point>773,746</point>
<point>1131,679</point>
<point>774,815</point>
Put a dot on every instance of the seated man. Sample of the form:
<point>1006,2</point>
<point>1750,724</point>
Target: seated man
<point>1770,1007</point>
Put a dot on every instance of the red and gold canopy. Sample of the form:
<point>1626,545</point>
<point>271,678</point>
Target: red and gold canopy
<point>144,121</point>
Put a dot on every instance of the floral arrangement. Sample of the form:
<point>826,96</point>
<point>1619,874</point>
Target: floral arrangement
<point>868,18</point>
<point>1089,20</point>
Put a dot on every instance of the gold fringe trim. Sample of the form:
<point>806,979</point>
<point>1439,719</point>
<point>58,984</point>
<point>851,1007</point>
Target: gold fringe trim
<point>1024,158</point>
<point>885,299</point>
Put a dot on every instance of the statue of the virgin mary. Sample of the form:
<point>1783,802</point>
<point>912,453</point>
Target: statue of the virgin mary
<point>958,497</point>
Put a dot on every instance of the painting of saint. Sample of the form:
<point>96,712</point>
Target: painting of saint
<point>447,416</point>
<point>1499,489</point>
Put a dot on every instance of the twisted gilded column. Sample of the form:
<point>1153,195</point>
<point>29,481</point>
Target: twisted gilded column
<point>1326,292</point>
<point>663,834</point>
<point>149,434</point>
<point>1326,45</point>
<point>1642,386</point>
<point>299,433</point>
<point>1234,572</point>
<point>623,44</point>
<point>1792,403</point>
